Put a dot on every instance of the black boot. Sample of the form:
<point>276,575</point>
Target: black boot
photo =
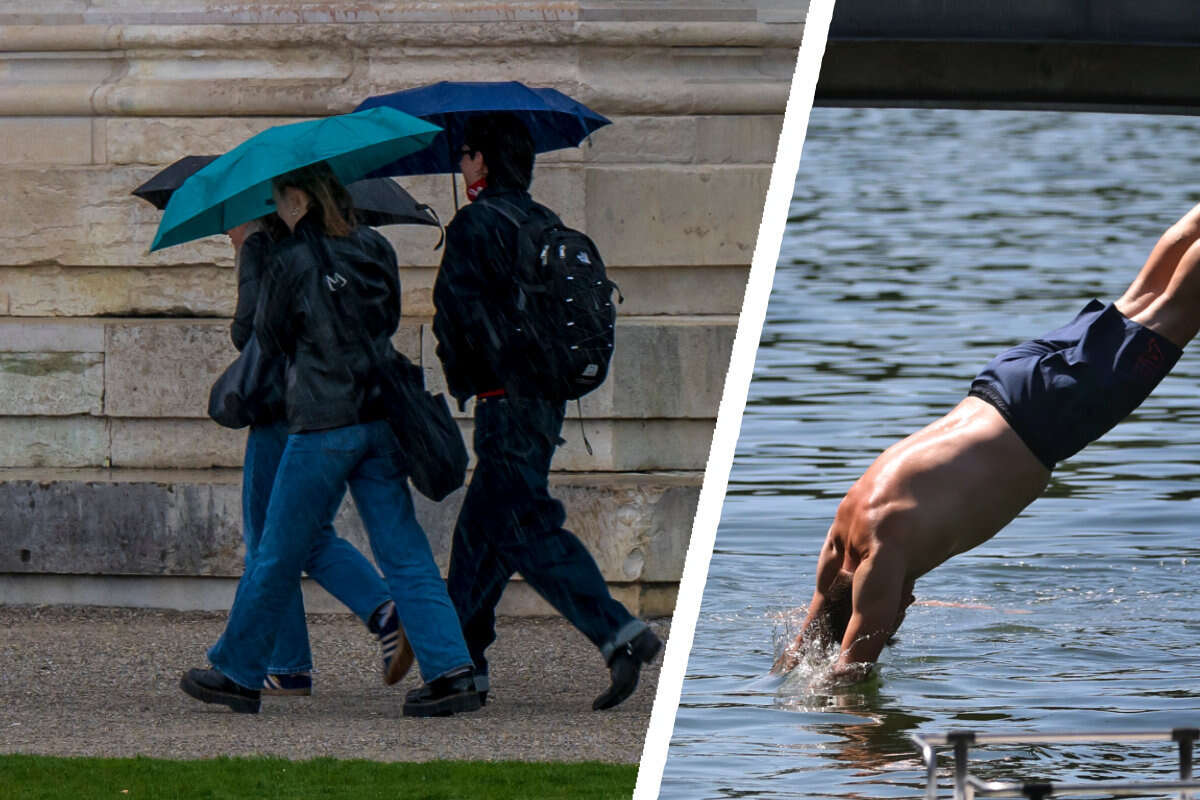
<point>625,667</point>
<point>441,697</point>
<point>211,686</point>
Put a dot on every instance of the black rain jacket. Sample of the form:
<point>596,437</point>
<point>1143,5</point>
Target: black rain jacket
<point>323,314</point>
<point>473,295</point>
<point>252,263</point>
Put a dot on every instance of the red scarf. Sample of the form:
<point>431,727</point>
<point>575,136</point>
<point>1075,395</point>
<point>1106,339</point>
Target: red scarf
<point>475,188</point>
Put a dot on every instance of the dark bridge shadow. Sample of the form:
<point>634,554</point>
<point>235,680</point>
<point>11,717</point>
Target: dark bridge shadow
<point>1139,56</point>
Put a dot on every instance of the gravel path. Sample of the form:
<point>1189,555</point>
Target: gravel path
<point>104,682</point>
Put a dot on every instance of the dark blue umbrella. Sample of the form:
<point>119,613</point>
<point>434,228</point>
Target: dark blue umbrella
<point>554,120</point>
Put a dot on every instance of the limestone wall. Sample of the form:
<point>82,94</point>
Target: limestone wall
<point>109,466</point>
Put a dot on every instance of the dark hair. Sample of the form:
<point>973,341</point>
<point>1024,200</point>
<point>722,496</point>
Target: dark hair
<point>327,193</point>
<point>274,227</point>
<point>506,146</point>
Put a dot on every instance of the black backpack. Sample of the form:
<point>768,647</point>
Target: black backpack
<point>562,313</point>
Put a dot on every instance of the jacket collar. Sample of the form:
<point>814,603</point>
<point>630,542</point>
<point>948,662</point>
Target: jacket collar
<point>497,191</point>
<point>308,225</point>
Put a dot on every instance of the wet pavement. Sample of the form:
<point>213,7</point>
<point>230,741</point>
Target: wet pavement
<point>104,682</point>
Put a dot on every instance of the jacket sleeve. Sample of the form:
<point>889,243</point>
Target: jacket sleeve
<point>463,332</point>
<point>273,318</point>
<point>386,255</point>
<point>252,261</point>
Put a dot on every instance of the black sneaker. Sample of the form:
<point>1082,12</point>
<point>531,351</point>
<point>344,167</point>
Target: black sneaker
<point>296,684</point>
<point>482,684</point>
<point>393,644</point>
<point>441,697</point>
<point>211,686</point>
<point>625,667</point>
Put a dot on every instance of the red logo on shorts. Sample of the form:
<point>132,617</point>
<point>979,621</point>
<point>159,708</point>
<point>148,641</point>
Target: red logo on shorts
<point>1150,362</point>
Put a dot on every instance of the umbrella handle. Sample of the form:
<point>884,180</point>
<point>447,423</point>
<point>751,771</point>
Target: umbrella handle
<point>453,183</point>
<point>441,227</point>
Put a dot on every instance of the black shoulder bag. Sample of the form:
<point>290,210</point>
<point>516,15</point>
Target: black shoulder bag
<point>429,437</point>
<point>250,390</point>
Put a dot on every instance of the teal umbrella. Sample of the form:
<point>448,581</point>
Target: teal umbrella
<point>236,187</point>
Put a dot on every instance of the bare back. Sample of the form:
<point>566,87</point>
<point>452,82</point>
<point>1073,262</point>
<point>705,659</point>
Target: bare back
<point>943,490</point>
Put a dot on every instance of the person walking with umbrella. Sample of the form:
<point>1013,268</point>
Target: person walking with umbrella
<point>333,562</point>
<point>332,292</point>
<point>509,522</point>
<point>330,305</point>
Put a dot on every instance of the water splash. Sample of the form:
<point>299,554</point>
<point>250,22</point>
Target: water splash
<point>805,671</point>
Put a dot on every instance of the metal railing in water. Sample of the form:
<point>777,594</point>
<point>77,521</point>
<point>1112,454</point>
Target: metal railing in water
<point>968,786</point>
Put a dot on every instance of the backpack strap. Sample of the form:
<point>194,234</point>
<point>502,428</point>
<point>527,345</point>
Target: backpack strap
<point>505,209</point>
<point>515,215</point>
<point>526,229</point>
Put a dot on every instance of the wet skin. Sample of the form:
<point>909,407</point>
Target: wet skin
<point>957,482</point>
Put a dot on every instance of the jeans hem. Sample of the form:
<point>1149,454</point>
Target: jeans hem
<point>289,670</point>
<point>237,678</point>
<point>466,665</point>
<point>624,635</point>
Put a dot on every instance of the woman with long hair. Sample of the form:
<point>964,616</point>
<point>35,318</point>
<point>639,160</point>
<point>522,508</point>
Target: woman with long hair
<point>330,304</point>
<point>333,562</point>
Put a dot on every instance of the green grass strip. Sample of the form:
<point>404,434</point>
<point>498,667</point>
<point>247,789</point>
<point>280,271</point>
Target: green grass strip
<point>45,778</point>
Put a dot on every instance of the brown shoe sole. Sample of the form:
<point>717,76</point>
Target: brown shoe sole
<point>287,692</point>
<point>401,662</point>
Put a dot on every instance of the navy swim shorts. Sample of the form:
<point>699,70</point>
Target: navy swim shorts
<point>1068,388</point>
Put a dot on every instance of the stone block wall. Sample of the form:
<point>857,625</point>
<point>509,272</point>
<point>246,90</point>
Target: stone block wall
<point>109,468</point>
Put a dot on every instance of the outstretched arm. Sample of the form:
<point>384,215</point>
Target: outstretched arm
<point>881,593</point>
<point>815,625</point>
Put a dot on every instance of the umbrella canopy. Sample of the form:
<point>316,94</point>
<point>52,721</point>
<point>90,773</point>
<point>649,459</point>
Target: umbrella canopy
<point>158,190</point>
<point>377,201</point>
<point>236,187</point>
<point>554,120</point>
<point>382,201</point>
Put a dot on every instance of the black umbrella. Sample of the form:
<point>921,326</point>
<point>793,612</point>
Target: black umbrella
<point>158,190</point>
<point>382,201</point>
<point>377,201</point>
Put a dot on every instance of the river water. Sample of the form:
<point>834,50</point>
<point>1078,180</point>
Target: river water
<point>919,244</point>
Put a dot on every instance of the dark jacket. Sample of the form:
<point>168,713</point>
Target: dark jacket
<point>474,295</point>
<point>323,312</point>
<point>253,260</point>
<point>252,263</point>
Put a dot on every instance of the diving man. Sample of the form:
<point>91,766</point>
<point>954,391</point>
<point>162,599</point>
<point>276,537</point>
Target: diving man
<point>957,482</point>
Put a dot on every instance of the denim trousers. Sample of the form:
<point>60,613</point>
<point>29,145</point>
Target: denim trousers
<point>509,523</point>
<point>310,482</point>
<point>332,562</point>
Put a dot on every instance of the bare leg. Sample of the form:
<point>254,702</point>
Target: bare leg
<point>1175,311</point>
<point>1160,268</point>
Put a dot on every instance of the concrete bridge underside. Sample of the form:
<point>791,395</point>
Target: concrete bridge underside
<point>1110,55</point>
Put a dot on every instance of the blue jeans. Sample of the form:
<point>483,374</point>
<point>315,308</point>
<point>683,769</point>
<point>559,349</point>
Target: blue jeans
<point>509,523</point>
<point>333,562</point>
<point>309,486</point>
